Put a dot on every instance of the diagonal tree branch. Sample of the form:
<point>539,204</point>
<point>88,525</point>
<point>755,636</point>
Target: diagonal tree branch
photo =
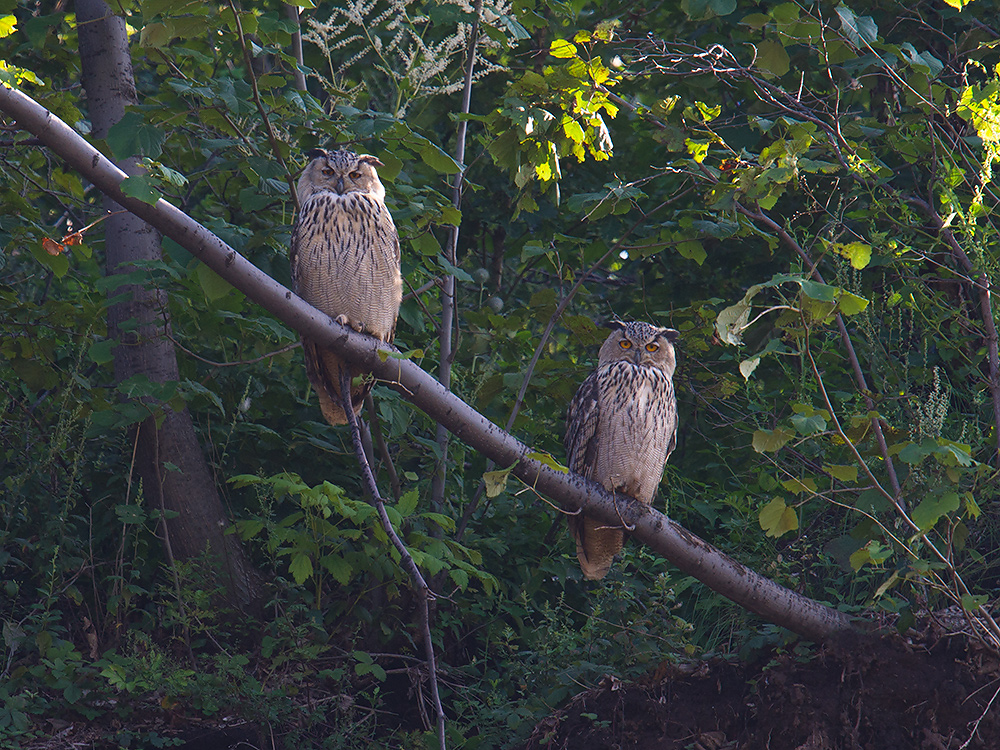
<point>692,555</point>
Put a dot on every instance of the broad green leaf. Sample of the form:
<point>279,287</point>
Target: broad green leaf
<point>213,285</point>
<point>140,188</point>
<point>798,486</point>
<point>495,481</point>
<point>748,366</point>
<point>548,460</point>
<point>769,441</point>
<point>772,57</point>
<point>692,250</point>
<point>777,518</point>
<point>562,48</point>
<point>7,25</point>
<point>859,253</point>
<point>808,425</point>
<point>851,304</point>
<point>301,567</point>
<point>132,135</point>
<point>931,508</point>
<point>407,503</point>
<point>101,351</point>
<point>843,473</point>
<point>438,160</point>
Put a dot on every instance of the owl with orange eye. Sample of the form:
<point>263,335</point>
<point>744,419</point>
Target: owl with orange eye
<point>621,427</point>
<point>345,261</point>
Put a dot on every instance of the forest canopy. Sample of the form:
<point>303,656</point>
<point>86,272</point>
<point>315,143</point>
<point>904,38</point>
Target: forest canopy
<point>803,190</point>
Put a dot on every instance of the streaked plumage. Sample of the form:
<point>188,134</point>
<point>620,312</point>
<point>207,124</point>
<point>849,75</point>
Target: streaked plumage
<point>620,428</point>
<point>345,262</point>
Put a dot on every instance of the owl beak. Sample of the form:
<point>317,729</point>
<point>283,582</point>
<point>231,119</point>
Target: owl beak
<point>340,186</point>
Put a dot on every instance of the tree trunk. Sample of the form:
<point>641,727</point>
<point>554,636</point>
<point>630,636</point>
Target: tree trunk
<point>140,324</point>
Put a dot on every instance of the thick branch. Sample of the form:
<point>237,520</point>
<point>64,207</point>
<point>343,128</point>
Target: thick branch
<point>689,553</point>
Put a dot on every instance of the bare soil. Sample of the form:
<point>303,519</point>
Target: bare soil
<point>878,694</point>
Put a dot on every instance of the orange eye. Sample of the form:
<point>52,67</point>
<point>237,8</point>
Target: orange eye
<point>652,347</point>
<point>354,175</point>
<point>327,172</point>
<point>625,344</point>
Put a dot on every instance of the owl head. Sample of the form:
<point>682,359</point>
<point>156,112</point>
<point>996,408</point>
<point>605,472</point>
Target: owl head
<point>640,343</point>
<point>340,172</point>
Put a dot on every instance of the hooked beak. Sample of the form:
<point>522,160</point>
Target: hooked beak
<point>340,186</point>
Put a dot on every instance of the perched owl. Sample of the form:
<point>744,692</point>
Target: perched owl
<point>345,262</point>
<point>620,427</point>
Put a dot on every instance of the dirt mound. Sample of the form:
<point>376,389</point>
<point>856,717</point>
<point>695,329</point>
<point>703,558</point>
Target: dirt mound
<point>872,694</point>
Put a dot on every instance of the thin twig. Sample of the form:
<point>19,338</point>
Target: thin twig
<point>420,587</point>
<point>448,298</point>
<point>376,428</point>
<point>271,137</point>
<point>275,353</point>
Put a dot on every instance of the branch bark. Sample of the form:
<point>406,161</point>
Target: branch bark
<point>692,555</point>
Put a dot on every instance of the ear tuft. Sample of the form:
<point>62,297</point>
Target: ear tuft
<point>369,159</point>
<point>670,334</point>
<point>316,153</point>
<point>615,325</point>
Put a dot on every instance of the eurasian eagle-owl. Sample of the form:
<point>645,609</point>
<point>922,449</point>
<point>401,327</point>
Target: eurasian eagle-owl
<point>620,428</point>
<point>345,262</point>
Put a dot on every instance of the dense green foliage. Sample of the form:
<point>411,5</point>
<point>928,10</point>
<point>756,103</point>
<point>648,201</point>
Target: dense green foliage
<point>698,160</point>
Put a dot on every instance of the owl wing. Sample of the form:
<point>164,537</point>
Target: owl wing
<point>581,426</point>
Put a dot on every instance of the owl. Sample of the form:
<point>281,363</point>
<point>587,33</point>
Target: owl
<point>620,428</point>
<point>345,262</point>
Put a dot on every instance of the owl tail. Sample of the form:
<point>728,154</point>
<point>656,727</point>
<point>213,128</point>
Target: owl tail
<point>596,545</point>
<point>323,368</point>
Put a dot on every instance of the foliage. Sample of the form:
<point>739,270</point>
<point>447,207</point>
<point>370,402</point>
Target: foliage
<point>805,191</point>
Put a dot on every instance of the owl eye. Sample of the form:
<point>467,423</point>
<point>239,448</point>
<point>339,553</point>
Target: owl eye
<point>327,172</point>
<point>625,344</point>
<point>652,347</point>
<point>354,175</point>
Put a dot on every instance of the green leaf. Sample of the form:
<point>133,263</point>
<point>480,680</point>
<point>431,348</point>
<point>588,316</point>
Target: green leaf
<point>772,58</point>
<point>101,351</point>
<point>7,25</point>
<point>438,160</point>
<point>843,473</point>
<point>808,425</point>
<point>407,503</point>
<point>931,508</point>
<point>692,250</point>
<point>132,135</point>
<point>213,285</point>
<point>496,481</point>
<point>777,518</point>
<point>562,48</point>
<point>851,304</point>
<point>139,187</point>
<point>798,486</point>
<point>859,253</point>
<point>300,567</point>
<point>769,441</point>
<point>748,366</point>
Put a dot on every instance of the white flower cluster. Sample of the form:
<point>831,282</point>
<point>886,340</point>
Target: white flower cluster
<point>416,56</point>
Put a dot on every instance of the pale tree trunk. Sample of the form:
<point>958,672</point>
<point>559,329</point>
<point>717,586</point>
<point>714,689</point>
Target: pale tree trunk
<point>186,487</point>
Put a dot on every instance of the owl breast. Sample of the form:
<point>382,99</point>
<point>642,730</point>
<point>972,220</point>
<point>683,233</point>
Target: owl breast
<point>347,260</point>
<point>635,427</point>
